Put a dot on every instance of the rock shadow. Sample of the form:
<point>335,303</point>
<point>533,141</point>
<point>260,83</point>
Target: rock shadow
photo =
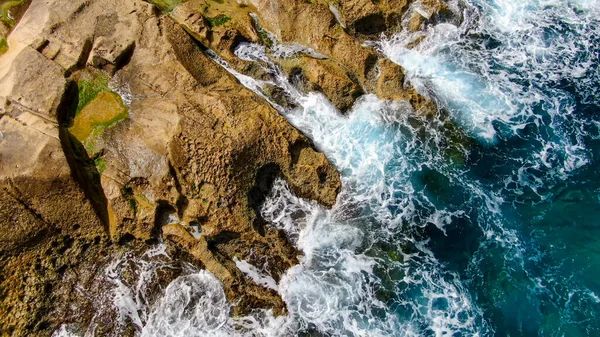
<point>265,177</point>
<point>83,168</point>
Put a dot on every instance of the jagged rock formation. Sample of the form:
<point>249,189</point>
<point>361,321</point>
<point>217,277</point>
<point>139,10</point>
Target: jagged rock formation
<point>338,63</point>
<point>117,131</point>
<point>194,146</point>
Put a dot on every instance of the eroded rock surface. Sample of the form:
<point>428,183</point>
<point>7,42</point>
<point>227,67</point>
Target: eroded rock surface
<point>335,58</point>
<point>94,164</point>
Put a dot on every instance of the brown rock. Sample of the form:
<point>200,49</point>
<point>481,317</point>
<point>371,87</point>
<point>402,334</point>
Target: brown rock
<point>46,225</point>
<point>193,147</point>
<point>324,76</point>
<point>35,83</point>
<point>390,85</point>
<point>341,77</point>
<point>371,18</point>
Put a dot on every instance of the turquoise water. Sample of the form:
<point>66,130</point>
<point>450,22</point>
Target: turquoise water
<point>483,221</point>
<point>534,69</point>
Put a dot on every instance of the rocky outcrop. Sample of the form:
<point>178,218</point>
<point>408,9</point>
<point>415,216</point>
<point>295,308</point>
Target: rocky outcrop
<point>130,134</point>
<point>333,60</point>
<point>49,228</point>
<point>390,85</point>
<point>117,131</point>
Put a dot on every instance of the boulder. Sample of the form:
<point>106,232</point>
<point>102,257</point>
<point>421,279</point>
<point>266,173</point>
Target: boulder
<point>35,83</point>
<point>325,76</point>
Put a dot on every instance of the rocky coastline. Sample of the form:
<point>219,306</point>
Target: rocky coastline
<point>119,130</point>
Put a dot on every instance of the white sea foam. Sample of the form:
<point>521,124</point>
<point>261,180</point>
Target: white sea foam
<point>132,299</point>
<point>496,71</point>
<point>193,305</point>
<point>65,331</point>
<point>255,274</point>
<point>337,15</point>
<point>123,91</point>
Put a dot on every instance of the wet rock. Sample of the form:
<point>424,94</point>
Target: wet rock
<point>391,85</point>
<point>326,77</point>
<point>314,26</point>
<point>345,68</point>
<point>340,77</point>
<point>368,18</point>
<point>391,80</point>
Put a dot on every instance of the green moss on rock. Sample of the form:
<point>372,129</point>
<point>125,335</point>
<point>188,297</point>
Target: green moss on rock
<point>218,20</point>
<point>3,46</point>
<point>89,89</point>
<point>100,164</point>
<point>104,111</point>
<point>5,7</point>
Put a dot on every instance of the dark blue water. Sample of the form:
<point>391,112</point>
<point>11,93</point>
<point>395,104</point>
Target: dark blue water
<point>528,78</point>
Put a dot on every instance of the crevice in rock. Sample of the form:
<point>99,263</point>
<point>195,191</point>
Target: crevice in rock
<point>239,38</point>
<point>126,238</point>
<point>85,54</point>
<point>370,63</point>
<point>123,59</point>
<point>298,79</point>
<point>222,238</point>
<point>370,24</point>
<point>182,200</point>
<point>173,174</point>
<point>322,174</point>
<point>83,168</point>
<point>164,215</point>
<point>67,106</point>
<point>265,177</point>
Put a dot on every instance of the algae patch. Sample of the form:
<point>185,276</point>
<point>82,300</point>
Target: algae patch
<point>6,14</point>
<point>100,164</point>
<point>104,111</point>
<point>3,46</point>
<point>98,108</point>
<point>218,20</point>
<point>89,89</point>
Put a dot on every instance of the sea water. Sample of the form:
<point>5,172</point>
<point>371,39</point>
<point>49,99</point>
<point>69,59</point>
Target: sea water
<point>483,221</point>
